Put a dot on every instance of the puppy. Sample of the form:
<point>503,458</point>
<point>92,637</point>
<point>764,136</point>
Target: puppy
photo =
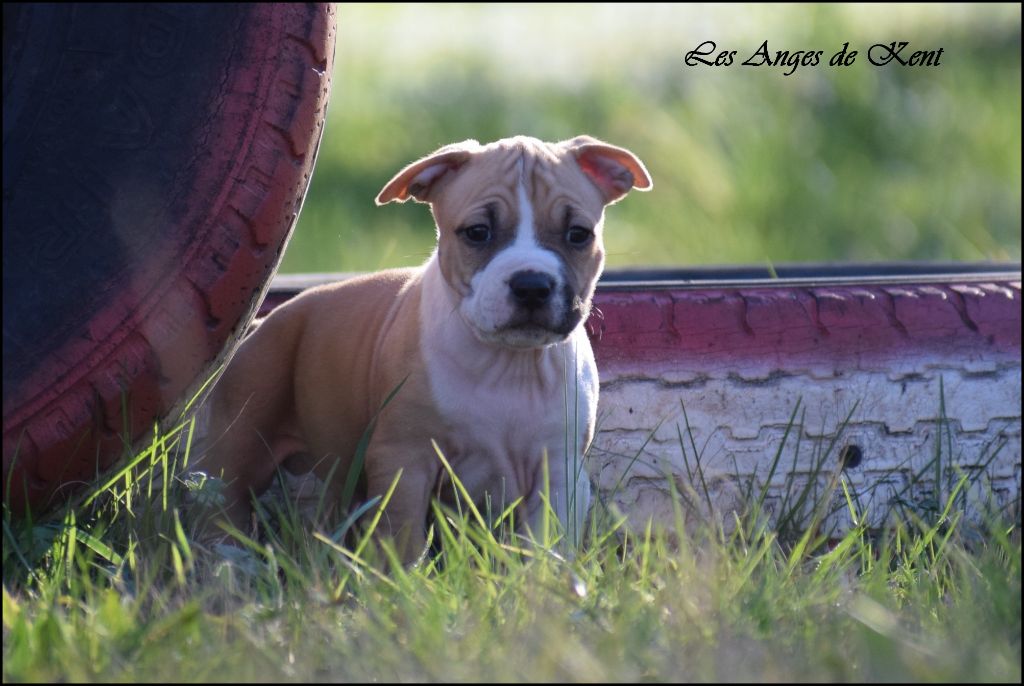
<point>485,343</point>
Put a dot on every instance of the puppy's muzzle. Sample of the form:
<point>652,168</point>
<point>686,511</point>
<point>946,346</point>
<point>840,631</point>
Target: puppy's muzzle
<point>531,290</point>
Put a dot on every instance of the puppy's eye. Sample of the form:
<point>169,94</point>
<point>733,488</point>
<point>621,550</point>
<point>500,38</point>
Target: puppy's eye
<point>478,234</point>
<point>578,236</point>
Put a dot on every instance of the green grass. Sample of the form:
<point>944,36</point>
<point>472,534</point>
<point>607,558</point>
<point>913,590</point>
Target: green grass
<point>122,588</point>
<point>749,166</point>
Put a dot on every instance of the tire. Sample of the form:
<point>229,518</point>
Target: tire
<point>913,379</point>
<point>894,363</point>
<point>155,161</point>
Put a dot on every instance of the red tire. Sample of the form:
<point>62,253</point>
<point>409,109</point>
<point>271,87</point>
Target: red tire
<point>711,363</point>
<point>155,161</point>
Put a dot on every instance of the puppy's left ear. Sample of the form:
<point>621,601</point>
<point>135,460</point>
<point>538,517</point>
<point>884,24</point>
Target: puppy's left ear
<point>615,171</point>
<point>418,179</point>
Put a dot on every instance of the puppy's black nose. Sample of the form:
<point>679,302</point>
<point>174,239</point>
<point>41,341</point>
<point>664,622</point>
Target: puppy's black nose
<point>532,290</point>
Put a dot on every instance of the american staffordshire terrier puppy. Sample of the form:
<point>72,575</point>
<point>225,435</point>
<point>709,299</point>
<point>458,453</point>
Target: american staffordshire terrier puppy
<point>486,339</point>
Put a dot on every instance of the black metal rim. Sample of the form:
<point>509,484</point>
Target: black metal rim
<point>747,276</point>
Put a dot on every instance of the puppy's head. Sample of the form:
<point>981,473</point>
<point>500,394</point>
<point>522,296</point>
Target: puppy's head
<point>519,226</point>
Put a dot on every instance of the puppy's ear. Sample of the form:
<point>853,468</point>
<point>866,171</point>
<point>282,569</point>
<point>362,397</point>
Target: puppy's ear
<point>615,171</point>
<point>418,179</point>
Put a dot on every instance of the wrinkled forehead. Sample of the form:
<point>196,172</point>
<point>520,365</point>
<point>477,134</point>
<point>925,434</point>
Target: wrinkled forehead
<point>548,174</point>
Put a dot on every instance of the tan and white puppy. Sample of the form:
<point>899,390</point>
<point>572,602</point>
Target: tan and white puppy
<point>487,339</point>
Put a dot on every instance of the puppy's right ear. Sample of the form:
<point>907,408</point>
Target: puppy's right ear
<point>418,179</point>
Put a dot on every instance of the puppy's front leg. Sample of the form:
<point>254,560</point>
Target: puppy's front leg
<point>569,498</point>
<point>405,514</point>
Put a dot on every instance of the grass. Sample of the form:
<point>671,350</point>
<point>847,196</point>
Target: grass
<point>121,588</point>
<point>749,166</point>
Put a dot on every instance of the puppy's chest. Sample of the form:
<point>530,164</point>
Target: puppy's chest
<point>513,414</point>
<point>501,419</point>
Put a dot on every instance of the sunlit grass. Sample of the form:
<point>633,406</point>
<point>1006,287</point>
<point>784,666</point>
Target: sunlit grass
<point>125,588</point>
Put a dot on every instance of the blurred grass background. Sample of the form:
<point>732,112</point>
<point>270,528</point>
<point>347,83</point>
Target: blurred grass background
<point>750,166</point>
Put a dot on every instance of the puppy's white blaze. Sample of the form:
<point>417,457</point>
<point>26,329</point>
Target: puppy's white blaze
<point>524,253</point>
<point>526,235</point>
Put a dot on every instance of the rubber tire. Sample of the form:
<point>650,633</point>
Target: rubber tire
<point>155,161</point>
